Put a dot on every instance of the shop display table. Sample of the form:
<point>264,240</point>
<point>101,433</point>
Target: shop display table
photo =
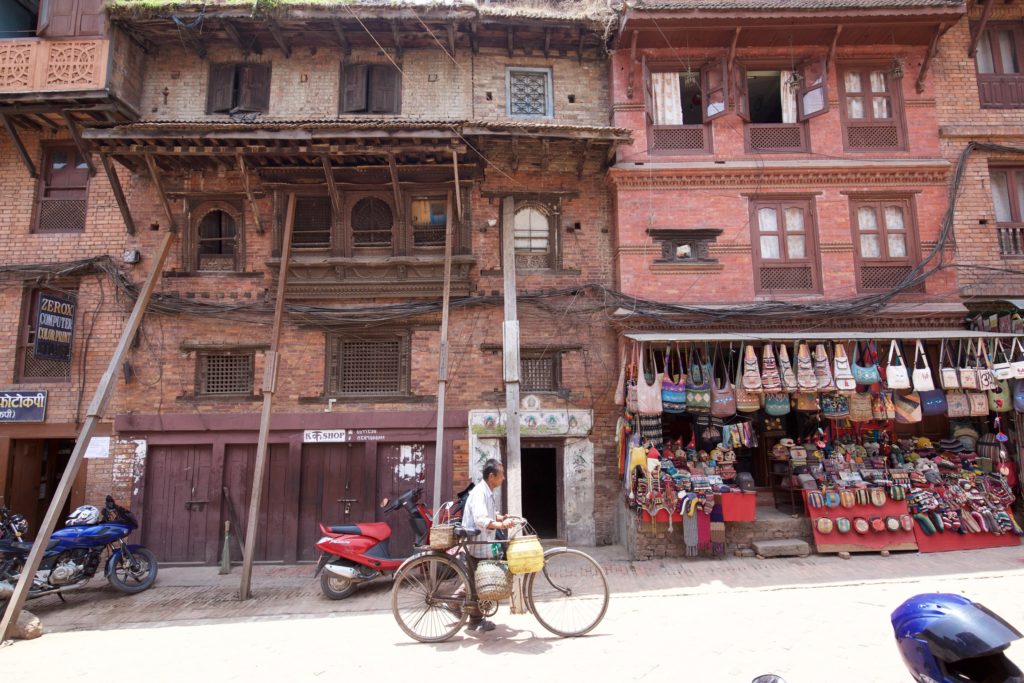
<point>954,540</point>
<point>852,542</point>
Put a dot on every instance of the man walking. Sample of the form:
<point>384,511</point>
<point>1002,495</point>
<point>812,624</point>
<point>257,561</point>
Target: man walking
<point>480,512</point>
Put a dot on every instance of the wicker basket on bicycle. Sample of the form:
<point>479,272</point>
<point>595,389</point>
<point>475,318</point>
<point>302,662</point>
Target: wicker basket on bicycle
<point>493,580</point>
<point>525,554</point>
<point>442,536</point>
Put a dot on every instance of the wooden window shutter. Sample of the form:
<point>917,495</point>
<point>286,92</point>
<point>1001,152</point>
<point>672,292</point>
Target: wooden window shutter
<point>739,85</point>
<point>254,87</point>
<point>220,90</point>
<point>714,94</point>
<point>812,97</point>
<point>384,85</point>
<point>648,87</point>
<point>59,19</point>
<point>353,88</point>
<point>90,19</point>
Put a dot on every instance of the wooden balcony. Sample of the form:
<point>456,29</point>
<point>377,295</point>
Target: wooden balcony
<point>999,91</point>
<point>37,65</point>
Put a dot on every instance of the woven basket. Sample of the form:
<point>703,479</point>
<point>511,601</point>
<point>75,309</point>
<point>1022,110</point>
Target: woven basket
<point>442,536</point>
<point>493,580</point>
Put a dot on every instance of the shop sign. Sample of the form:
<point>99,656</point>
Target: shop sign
<point>340,435</point>
<point>22,406</point>
<point>55,327</point>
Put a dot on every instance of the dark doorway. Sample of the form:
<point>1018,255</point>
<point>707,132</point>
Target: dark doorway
<point>34,471</point>
<point>540,489</point>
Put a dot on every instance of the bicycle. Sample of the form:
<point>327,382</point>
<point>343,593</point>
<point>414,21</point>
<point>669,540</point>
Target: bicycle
<point>433,594</point>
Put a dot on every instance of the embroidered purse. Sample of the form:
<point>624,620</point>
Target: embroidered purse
<point>834,406</point>
<point>999,399</point>
<point>770,378</point>
<point>968,371</point>
<point>896,375</point>
<point>805,379</point>
<point>860,407</point>
<point>751,373</point>
<point>723,400</point>
<point>986,378</point>
<point>908,407</point>
<point>788,375</point>
<point>1016,352</point>
<point>866,374</point>
<point>933,402</point>
<point>882,406</point>
<point>822,371</point>
<point>1001,368</point>
<point>1018,395</point>
<point>698,391</point>
<point>673,392</point>
<point>807,402</point>
<point>979,404</point>
<point>922,375</point>
<point>746,401</point>
<point>948,376</point>
<point>776,404</point>
<point>841,369</point>
<point>842,525</point>
<point>957,404</point>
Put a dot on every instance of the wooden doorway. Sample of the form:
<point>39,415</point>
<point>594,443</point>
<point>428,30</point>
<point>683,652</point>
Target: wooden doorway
<point>179,492</point>
<point>35,467</point>
<point>338,485</point>
<point>542,487</point>
<point>403,467</point>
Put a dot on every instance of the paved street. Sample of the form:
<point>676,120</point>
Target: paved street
<point>819,619</point>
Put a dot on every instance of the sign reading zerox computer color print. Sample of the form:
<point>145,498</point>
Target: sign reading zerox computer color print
<point>55,327</point>
<point>23,406</point>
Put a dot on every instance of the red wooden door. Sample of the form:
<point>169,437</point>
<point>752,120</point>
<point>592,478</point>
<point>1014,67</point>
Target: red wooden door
<point>278,503</point>
<point>402,467</point>
<point>337,486</point>
<point>178,500</point>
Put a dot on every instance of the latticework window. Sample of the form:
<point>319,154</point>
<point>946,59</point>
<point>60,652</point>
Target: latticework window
<point>312,227</point>
<point>224,373</point>
<point>31,367</point>
<point>63,188</point>
<point>529,93</point>
<point>368,367</point>
<point>540,373</point>
<point>371,223</point>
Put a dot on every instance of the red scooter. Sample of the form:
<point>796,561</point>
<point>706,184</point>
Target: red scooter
<point>356,553</point>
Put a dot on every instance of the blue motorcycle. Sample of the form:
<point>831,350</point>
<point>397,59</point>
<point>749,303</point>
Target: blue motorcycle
<point>74,553</point>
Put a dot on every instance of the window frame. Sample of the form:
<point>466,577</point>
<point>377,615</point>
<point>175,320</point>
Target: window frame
<point>368,108</point>
<point>332,224</point>
<point>811,257</point>
<point>43,186</point>
<point>552,208</point>
<point>1010,234</point>
<point>898,119</point>
<point>398,229</point>
<point>555,357</point>
<point>404,379</point>
<point>1009,86</point>
<point>910,234</point>
<point>666,130</point>
<point>743,109</point>
<point>443,195</point>
<point>26,333</point>
<point>549,95</point>
<point>198,210</point>
<point>201,373</point>
<point>260,100</point>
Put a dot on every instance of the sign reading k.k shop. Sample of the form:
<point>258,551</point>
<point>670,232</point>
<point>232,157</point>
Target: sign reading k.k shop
<point>22,406</point>
<point>55,327</point>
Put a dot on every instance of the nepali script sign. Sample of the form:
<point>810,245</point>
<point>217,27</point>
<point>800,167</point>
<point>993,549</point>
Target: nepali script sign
<point>22,406</point>
<point>55,327</point>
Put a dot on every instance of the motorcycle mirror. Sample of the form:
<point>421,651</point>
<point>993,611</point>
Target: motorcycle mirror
<point>384,503</point>
<point>768,678</point>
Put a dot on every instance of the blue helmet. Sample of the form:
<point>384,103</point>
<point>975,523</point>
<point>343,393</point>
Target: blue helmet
<point>946,638</point>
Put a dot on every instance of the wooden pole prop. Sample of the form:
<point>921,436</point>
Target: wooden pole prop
<point>96,409</point>
<point>269,387</point>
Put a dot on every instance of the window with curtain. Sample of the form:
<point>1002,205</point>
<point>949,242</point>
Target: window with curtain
<point>871,108</point>
<point>1008,203</point>
<point>885,238</point>
<point>998,60</point>
<point>785,252</point>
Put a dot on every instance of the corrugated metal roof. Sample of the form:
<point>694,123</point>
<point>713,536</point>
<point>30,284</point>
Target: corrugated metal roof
<point>774,5</point>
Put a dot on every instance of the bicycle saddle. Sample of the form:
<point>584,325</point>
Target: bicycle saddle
<point>463,532</point>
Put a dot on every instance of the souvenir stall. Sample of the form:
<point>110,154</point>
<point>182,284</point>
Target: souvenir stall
<point>904,442</point>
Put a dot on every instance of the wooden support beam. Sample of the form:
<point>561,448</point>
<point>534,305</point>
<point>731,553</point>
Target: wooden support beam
<point>545,159</point>
<point>115,186</point>
<point>399,206</point>
<point>46,121</point>
<point>980,28</point>
<point>474,36</point>
<point>631,76</point>
<point>79,143</point>
<point>192,41</point>
<point>244,170</point>
<point>933,49</point>
<point>510,358</point>
<point>831,59</point>
<point>18,145</point>
<point>27,122</point>
<point>97,407</point>
<point>339,33</point>
<point>442,362</point>
<point>515,153</point>
<point>396,36</point>
<point>510,37</point>
<point>582,160</point>
<point>332,186</point>
<point>579,47</point>
<point>278,36</point>
<point>547,41</point>
<point>154,174</point>
<point>244,47</point>
<point>451,38</point>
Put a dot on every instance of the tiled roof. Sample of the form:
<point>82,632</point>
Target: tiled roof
<point>769,5</point>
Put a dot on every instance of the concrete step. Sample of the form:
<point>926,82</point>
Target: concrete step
<point>770,524</point>
<point>782,547</point>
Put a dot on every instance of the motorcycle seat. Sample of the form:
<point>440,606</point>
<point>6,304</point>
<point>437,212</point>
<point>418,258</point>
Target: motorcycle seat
<point>346,529</point>
<point>376,530</point>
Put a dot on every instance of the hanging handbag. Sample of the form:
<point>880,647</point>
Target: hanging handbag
<point>776,404</point>
<point>866,374</point>
<point>723,400</point>
<point>999,399</point>
<point>986,378</point>
<point>805,378</point>
<point>1018,395</point>
<point>948,376</point>
<point>896,375</point>
<point>648,394</point>
<point>841,369</point>
<point>751,373</point>
<point>835,406</point>
<point>922,375</point>
<point>979,404</point>
<point>1017,358</point>
<point>933,402</point>
<point>673,391</point>
<point>822,371</point>
<point>908,407</point>
<point>632,402</point>
<point>770,378</point>
<point>698,389</point>
<point>968,370</point>
<point>746,401</point>
<point>860,407</point>
<point>807,401</point>
<point>786,371</point>
<point>1001,368</point>
<point>957,404</point>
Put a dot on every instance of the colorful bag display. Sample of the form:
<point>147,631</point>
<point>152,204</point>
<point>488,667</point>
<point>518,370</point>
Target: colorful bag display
<point>834,405</point>
<point>723,400</point>
<point>807,401</point>
<point>979,403</point>
<point>823,370</point>
<point>948,376</point>
<point>999,399</point>
<point>968,367</point>
<point>632,402</point>
<point>771,380</point>
<point>776,404</point>
<point>673,385</point>
<point>1018,395</point>
<point>746,401</point>
<point>908,407</point>
<point>922,371</point>
<point>698,386</point>
<point>882,406</point>
<point>867,373</point>
<point>1001,365</point>
<point>986,378</point>
<point>957,404</point>
<point>786,371</point>
<point>751,372</point>
<point>896,374</point>
<point>841,369</point>
<point>1017,358</point>
<point>648,394</point>
<point>620,387</point>
<point>933,402</point>
<point>860,407</point>
<point>805,378</point>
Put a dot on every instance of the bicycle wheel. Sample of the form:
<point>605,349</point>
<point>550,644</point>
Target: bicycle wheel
<point>429,597</point>
<point>569,596</point>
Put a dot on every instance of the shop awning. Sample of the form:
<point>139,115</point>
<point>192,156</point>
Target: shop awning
<point>836,335</point>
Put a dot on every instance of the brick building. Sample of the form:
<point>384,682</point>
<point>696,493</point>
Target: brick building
<point>377,128</point>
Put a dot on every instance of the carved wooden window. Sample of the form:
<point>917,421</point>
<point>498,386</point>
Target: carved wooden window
<point>67,18</point>
<point>238,88</point>
<point>372,223</point>
<point>29,367</point>
<point>785,246</point>
<point>313,220</point>
<point>227,373</point>
<point>376,366</point>
<point>217,242</point>
<point>872,109</point>
<point>1008,202</point>
<point>775,103</point>
<point>676,120</point>
<point>370,89</point>
<point>540,372</point>
<point>63,189</point>
<point>998,59</point>
<point>429,218</point>
<point>885,239</point>
<point>535,236</point>
<point>528,93</point>
<point>685,245</point>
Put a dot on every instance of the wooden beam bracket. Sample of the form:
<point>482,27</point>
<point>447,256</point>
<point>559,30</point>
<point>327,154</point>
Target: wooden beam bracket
<point>20,146</point>
<point>831,59</point>
<point>451,38</point>
<point>244,170</point>
<point>631,77</point>
<point>191,39</point>
<point>245,48</point>
<point>399,207</point>
<point>332,186</point>
<point>582,160</point>
<point>515,153</point>
<point>278,35</point>
<point>980,28</point>
<point>933,49</point>
<point>545,160</point>
<point>79,143</point>
<point>732,49</point>
<point>510,37</point>
<point>547,41</point>
<point>154,174</point>
<point>396,36</point>
<point>339,33</point>
<point>115,186</point>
